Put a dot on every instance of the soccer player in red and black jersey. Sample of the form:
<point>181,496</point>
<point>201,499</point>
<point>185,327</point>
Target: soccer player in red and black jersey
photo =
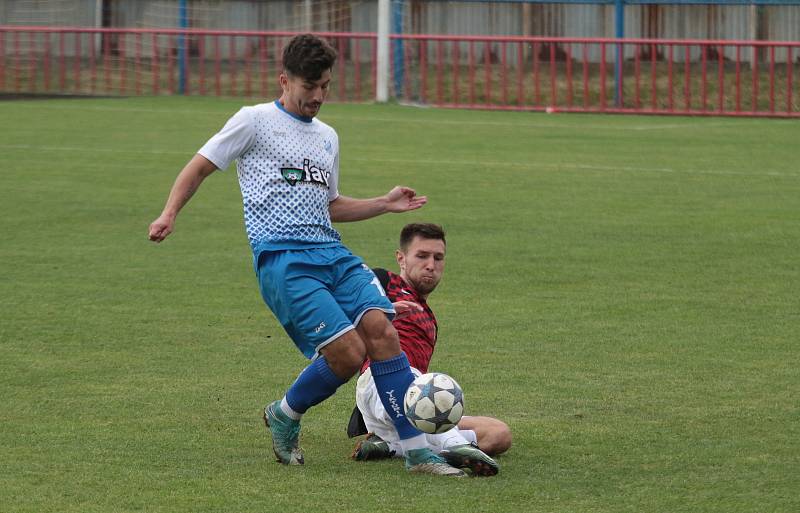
<point>421,258</point>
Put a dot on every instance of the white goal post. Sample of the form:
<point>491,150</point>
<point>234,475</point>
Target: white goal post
<point>382,72</point>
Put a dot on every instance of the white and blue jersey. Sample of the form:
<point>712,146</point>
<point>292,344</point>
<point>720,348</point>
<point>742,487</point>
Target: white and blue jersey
<point>288,168</point>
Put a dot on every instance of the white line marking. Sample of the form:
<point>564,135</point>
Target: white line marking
<point>580,167</point>
<point>460,163</point>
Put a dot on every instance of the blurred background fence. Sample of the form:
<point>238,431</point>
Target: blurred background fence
<point>727,57</point>
<point>774,20</point>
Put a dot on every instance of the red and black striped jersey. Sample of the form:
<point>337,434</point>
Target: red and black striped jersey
<point>418,331</point>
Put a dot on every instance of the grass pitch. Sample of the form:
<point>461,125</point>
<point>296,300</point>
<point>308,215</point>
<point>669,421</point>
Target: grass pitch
<point>622,291</point>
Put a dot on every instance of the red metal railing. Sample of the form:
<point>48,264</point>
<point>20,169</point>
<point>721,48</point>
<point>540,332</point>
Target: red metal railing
<point>146,62</point>
<point>694,77</point>
<point>690,77</point>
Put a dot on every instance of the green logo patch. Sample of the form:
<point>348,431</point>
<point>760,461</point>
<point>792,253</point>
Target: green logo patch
<point>292,175</point>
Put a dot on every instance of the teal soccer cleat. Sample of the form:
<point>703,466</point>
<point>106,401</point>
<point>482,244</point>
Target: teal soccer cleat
<point>471,457</point>
<point>285,435</point>
<point>372,447</point>
<point>424,461</point>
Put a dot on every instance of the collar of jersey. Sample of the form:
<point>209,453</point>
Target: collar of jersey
<point>304,119</point>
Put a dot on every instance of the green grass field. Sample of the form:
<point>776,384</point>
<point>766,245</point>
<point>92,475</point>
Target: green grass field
<point>622,291</point>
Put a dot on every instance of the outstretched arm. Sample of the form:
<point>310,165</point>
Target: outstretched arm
<point>399,199</point>
<point>186,184</point>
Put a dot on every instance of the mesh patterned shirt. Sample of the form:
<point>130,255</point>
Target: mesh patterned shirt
<point>288,169</point>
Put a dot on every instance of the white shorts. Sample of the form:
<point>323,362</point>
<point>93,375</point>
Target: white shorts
<point>379,422</point>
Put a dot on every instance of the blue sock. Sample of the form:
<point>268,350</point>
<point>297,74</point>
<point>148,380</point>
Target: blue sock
<point>392,378</point>
<point>316,383</point>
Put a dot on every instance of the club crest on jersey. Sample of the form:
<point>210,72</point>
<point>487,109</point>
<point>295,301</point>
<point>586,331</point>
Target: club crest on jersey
<point>292,175</point>
<point>310,174</point>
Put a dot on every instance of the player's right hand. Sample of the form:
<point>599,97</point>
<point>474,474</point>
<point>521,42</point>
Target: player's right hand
<point>161,227</point>
<point>405,308</point>
<point>403,199</point>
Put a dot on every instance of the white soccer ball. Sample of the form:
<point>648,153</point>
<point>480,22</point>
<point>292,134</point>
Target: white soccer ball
<point>434,403</point>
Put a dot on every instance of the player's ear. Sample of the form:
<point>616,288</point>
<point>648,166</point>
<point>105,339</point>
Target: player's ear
<point>401,259</point>
<point>283,79</point>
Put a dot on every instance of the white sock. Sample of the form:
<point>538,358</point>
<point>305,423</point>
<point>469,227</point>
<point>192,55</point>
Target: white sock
<point>447,439</point>
<point>416,442</point>
<point>397,448</point>
<point>469,435</point>
<point>289,411</point>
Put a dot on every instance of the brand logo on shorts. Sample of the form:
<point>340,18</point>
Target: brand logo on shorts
<point>309,174</point>
<point>320,327</point>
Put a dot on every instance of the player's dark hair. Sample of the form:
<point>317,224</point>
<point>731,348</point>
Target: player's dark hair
<point>424,230</point>
<point>308,56</point>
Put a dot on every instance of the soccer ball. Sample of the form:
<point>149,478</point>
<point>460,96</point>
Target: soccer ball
<point>434,403</point>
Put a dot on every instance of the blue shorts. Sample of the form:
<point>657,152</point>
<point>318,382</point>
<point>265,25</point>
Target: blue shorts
<point>318,294</point>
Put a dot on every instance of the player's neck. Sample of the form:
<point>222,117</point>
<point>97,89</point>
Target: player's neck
<point>408,284</point>
<point>287,106</point>
<point>291,108</point>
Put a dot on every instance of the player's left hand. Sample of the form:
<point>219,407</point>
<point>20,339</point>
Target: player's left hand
<point>405,308</point>
<point>403,199</point>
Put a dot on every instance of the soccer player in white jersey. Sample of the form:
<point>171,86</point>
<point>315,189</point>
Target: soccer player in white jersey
<point>328,301</point>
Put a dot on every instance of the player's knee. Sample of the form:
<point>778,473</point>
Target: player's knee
<point>499,439</point>
<point>494,436</point>
<point>385,344</point>
<point>379,336</point>
<point>345,356</point>
<point>354,358</point>
<point>386,335</point>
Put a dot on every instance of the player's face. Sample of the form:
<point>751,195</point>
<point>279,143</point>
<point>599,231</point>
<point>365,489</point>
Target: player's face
<point>422,264</point>
<point>304,97</point>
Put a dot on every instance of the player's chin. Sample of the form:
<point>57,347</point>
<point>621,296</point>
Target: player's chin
<point>427,286</point>
<point>312,110</point>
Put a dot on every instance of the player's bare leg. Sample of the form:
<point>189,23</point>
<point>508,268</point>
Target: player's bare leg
<point>346,354</point>
<point>493,436</point>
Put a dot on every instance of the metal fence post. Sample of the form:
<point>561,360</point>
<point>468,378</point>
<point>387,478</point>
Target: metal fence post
<point>397,28</point>
<point>183,22</point>
<point>619,31</point>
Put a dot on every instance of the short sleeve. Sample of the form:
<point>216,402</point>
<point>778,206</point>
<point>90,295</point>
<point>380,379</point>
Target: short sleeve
<point>383,276</point>
<point>230,143</point>
<point>333,181</point>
